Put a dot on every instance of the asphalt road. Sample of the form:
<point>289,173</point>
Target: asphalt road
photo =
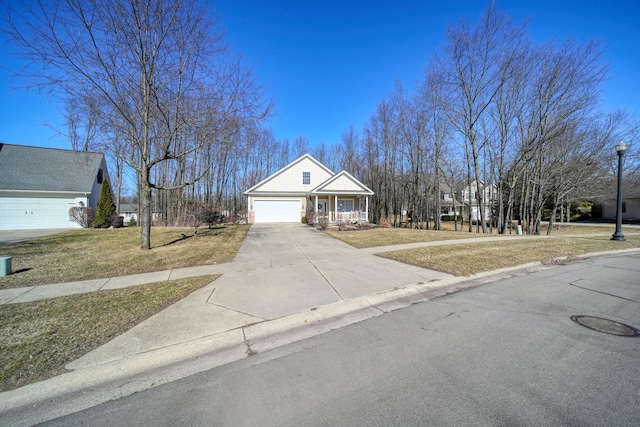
<point>505,353</point>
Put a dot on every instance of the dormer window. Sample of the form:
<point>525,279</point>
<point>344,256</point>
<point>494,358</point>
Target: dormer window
<point>306,178</point>
<point>99,178</point>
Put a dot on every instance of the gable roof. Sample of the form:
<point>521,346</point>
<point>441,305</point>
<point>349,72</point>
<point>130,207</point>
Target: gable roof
<point>27,168</point>
<point>291,165</point>
<point>129,207</point>
<point>342,182</point>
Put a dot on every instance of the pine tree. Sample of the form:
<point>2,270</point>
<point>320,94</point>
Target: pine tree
<point>106,207</point>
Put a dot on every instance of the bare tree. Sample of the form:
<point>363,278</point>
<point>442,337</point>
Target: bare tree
<point>161,69</point>
<point>472,68</point>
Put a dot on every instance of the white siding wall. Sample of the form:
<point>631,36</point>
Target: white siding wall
<point>342,184</point>
<point>291,179</point>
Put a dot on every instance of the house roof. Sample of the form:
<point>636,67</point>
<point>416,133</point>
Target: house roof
<point>342,182</point>
<point>27,168</point>
<point>280,183</point>
<point>128,207</point>
<point>300,159</point>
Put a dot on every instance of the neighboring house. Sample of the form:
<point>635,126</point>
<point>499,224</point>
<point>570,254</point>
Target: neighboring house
<point>307,188</point>
<point>630,208</point>
<point>38,186</point>
<point>128,211</point>
<point>446,201</point>
<point>470,201</point>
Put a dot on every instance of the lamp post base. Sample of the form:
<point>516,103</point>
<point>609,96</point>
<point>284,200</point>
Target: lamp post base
<point>618,236</point>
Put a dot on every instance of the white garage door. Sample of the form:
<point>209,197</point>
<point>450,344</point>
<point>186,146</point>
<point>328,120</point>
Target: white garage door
<point>277,210</point>
<point>19,213</point>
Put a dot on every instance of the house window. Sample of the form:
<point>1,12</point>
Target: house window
<point>99,177</point>
<point>306,178</point>
<point>345,205</point>
<point>624,207</point>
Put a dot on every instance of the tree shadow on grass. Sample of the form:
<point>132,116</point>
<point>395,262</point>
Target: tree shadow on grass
<point>206,232</point>
<point>22,270</point>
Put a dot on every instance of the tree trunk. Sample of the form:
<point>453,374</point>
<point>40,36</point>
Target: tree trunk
<point>145,210</point>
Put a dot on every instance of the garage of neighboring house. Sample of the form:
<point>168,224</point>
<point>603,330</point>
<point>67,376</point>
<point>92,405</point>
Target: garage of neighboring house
<point>38,186</point>
<point>277,210</point>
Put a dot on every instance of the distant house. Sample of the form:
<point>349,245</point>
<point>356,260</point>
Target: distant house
<point>470,200</point>
<point>129,211</point>
<point>38,186</point>
<point>307,188</point>
<point>447,201</point>
<point>630,208</point>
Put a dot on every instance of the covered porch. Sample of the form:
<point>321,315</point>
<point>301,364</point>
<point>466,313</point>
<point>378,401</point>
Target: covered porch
<point>340,199</point>
<point>339,208</point>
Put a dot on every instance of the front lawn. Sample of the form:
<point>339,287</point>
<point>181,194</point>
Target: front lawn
<point>37,339</point>
<point>395,236</point>
<point>93,254</point>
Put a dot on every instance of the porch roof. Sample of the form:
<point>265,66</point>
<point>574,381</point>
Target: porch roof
<point>342,183</point>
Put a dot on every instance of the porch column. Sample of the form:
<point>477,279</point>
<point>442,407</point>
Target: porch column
<point>315,208</point>
<point>335,208</point>
<point>366,212</point>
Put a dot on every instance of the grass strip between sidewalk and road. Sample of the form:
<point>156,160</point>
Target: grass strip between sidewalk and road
<point>37,339</point>
<point>465,259</point>
<point>95,254</point>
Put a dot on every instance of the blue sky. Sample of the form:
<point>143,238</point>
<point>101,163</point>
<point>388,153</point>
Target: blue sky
<point>327,64</point>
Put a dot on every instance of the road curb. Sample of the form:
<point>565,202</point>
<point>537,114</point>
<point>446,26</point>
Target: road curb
<point>95,384</point>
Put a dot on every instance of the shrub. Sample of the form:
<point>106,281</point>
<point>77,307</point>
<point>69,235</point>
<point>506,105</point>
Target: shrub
<point>106,207</point>
<point>450,218</point>
<point>117,221</point>
<point>322,223</point>
<point>209,216</point>
<point>132,222</point>
<point>82,215</point>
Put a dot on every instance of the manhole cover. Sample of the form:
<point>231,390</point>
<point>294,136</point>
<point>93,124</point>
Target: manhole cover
<point>606,326</point>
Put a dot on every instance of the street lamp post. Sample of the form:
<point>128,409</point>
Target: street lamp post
<point>621,148</point>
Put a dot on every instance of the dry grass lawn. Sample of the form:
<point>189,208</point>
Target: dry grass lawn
<point>393,236</point>
<point>369,238</point>
<point>467,259</point>
<point>92,254</point>
<point>38,339</point>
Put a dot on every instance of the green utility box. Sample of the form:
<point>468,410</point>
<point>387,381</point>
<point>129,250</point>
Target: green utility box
<point>5,265</point>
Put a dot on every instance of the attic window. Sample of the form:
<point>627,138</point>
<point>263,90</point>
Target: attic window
<point>306,178</point>
<point>99,177</point>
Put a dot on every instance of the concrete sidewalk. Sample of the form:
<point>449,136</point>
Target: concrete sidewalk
<point>36,293</point>
<point>287,283</point>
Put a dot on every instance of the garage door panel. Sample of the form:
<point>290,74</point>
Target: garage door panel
<point>18,213</point>
<point>277,210</point>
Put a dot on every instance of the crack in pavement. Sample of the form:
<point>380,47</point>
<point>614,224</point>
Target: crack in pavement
<point>312,263</point>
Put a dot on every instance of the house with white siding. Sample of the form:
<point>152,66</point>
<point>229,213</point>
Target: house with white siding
<point>306,188</point>
<point>38,185</point>
<point>470,206</point>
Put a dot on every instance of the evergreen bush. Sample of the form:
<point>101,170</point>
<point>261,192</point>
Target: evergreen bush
<point>106,207</point>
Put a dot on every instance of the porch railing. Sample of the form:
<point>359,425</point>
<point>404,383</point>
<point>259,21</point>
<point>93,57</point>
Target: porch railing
<point>339,217</point>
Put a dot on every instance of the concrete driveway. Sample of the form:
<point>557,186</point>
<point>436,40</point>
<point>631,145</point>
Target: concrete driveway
<point>8,237</point>
<point>280,270</point>
<point>287,268</point>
